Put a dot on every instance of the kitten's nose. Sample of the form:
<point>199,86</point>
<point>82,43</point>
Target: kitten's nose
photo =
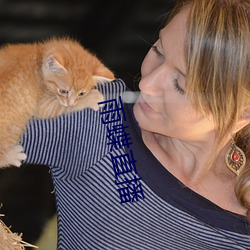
<point>71,102</point>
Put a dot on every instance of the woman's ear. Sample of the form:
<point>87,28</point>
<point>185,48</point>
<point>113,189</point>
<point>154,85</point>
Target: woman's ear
<point>243,121</point>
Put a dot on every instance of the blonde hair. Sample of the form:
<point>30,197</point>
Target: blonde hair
<point>217,51</point>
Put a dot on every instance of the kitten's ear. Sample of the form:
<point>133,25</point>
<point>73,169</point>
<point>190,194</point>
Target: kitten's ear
<point>51,65</point>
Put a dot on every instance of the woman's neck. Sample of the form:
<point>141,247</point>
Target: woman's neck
<point>187,160</point>
<point>189,163</point>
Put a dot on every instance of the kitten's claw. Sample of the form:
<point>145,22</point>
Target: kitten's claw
<point>15,156</point>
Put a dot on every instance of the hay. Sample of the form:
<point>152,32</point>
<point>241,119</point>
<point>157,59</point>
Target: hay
<point>10,240</point>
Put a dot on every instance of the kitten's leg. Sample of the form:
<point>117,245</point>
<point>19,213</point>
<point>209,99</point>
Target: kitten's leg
<point>13,157</point>
<point>49,108</point>
<point>91,100</point>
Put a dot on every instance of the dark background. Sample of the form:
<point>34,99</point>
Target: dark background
<point>119,32</point>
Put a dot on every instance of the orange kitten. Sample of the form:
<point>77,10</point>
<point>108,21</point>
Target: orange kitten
<point>44,80</point>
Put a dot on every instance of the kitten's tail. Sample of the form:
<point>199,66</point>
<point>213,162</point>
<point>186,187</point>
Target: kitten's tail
<point>130,96</point>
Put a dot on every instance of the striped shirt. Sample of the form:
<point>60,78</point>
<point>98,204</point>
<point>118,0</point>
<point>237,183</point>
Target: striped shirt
<point>113,194</point>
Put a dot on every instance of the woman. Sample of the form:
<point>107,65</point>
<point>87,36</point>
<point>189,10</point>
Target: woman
<point>165,173</point>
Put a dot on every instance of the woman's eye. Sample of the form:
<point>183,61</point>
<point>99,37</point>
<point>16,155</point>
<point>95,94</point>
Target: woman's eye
<point>155,49</point>
<point>63,91</point>
<point>178,88</point>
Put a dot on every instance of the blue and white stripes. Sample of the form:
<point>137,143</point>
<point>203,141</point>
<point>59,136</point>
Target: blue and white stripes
<point>90,215</point>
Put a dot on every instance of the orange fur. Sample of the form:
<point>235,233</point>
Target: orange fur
<point>43,80</point>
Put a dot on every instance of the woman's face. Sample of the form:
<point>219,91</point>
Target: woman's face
<point>163,106</point>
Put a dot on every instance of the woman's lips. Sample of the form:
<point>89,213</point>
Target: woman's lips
<point>144,105</point>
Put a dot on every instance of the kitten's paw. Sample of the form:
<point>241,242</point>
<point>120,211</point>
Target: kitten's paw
<point>15,156</point>
<point>98,97</point>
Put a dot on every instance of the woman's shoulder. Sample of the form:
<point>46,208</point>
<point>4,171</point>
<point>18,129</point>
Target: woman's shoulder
<point>112,89</point>
<point>46,141</point>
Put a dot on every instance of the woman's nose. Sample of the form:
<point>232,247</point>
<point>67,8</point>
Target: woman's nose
<point>151,82</point>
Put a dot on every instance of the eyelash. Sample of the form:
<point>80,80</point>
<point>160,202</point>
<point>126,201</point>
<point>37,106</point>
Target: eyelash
<point>178,88</point>
<point>154,47</point>
<point>176,84</point>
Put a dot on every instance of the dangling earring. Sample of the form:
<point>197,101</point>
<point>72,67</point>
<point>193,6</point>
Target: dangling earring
<point>235,158</point>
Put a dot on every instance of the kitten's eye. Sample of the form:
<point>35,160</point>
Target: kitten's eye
<point>63,91</point>
<point>82,94</point>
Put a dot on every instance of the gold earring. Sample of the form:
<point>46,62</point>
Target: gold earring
<point>235,158</point>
